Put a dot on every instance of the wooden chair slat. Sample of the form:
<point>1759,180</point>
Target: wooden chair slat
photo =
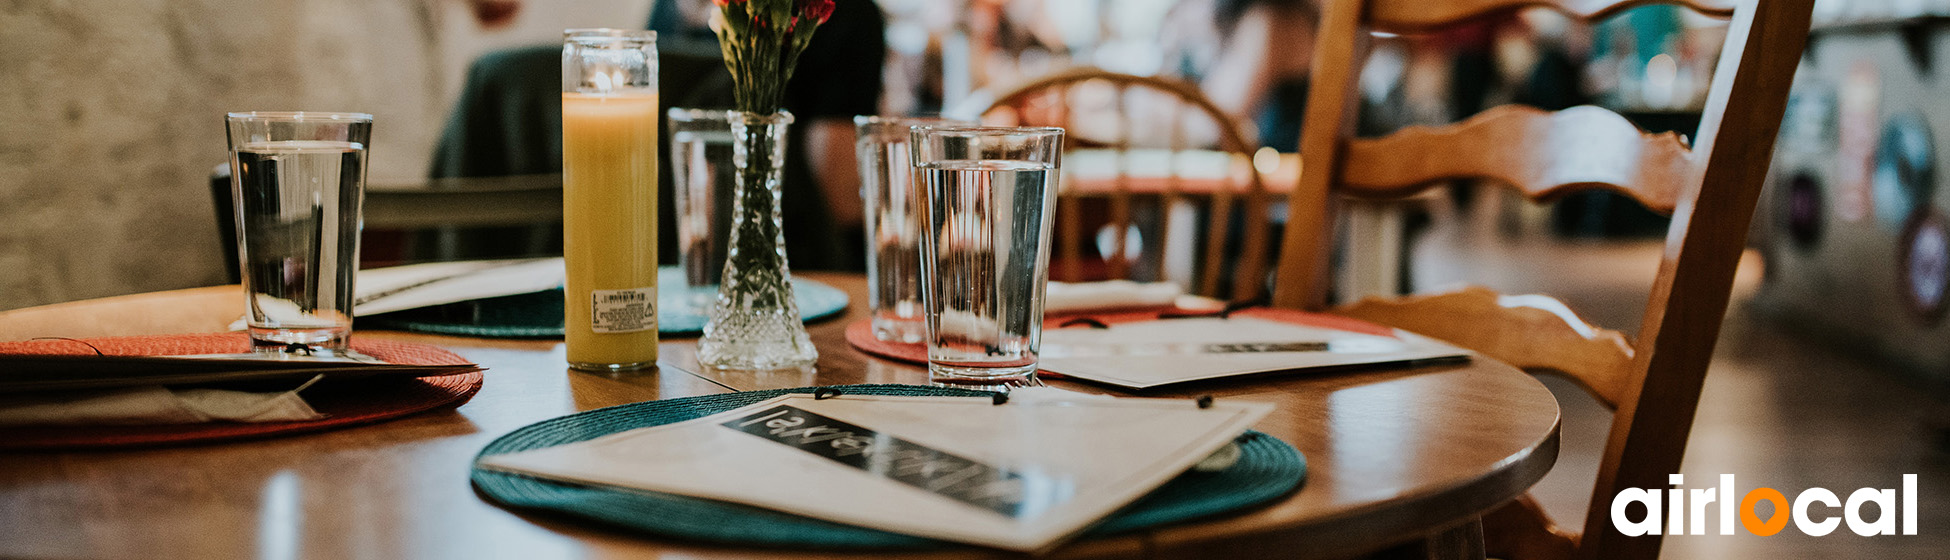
<point>1426,15</point>
<point>1531,332</point>
<point>1541,153</point>
<point>1120,197</point>
<point>1219,218</point>
<point>1071,215</point>
<point>1249,281</point>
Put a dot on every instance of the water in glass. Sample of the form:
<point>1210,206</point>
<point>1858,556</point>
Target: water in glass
<point>299,218</point>
<point>700,162</point>
<point>893,200</point>
<point>987,263</point>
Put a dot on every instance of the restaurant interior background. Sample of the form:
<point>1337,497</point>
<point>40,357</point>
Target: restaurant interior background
<point>104,180</point>
<point>109,128</point>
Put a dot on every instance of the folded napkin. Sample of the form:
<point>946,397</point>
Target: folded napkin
<point>1081,297</point>
<point>399,288</point>
<point>1073,297</point>
<point>384,290</point>
<point>153,405</point>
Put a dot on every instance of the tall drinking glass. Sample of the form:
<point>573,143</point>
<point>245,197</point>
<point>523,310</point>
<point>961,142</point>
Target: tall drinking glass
<point>609,198</point>
<point>298,179</point>
<point>704,179</point>
<point>894,208</point>
<point>985,254</point>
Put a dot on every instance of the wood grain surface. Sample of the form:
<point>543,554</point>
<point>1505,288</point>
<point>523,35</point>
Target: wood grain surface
<point>1395,456</point>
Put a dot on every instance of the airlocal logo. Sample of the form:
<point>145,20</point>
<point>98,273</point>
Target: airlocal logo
<point>1673,516</point>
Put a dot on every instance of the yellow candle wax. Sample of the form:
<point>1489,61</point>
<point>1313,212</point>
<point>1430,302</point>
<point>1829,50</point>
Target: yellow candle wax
<point>609,213</point>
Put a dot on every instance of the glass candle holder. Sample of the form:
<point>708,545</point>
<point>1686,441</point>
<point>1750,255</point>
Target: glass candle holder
<point>609,198</point>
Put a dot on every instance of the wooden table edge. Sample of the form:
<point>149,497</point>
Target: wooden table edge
<point>1428,512</point>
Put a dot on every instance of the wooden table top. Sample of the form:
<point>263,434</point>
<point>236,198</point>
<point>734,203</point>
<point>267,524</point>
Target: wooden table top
<point>1393,456</point>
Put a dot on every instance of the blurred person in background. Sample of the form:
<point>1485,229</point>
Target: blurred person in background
<point>1011,42</point>
<point>1259,72</point>
<point>507,120</point>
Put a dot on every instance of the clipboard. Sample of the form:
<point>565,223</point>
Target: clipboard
<point>1022,476</point>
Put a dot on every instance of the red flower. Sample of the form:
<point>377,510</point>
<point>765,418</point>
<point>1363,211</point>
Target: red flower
<point>817,10</point>
<point>723,3</point>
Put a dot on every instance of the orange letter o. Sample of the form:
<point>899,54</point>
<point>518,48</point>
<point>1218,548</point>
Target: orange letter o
<point>1751,520</point>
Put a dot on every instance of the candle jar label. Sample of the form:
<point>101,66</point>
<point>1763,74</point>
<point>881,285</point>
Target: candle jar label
<point>623,311</point>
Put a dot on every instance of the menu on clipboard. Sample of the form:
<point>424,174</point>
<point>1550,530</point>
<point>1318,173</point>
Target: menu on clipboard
<point>1022,475</point>
<point>1146,354</point>
<point>21,373</point>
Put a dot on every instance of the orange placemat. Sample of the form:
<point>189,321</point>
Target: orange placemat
<point>860,333</point>
<point>345,404</point>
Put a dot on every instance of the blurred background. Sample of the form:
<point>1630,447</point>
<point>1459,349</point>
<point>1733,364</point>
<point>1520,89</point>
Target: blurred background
<point>110,116</point>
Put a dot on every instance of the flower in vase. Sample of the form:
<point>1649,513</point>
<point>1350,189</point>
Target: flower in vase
<point>816,10</point>
<point>762,40</point>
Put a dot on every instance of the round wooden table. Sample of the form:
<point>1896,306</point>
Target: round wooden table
<point>1395,456</point>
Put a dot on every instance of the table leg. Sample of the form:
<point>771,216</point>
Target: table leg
<point>1461,542</point>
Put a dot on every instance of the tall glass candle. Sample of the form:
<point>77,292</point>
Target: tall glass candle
<point>609,198</point>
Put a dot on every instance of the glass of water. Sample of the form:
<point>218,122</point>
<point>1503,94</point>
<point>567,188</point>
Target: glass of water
<point>985,252</point>
<point>298,179</point>
<point>702,176</point>
<point>894,204</point>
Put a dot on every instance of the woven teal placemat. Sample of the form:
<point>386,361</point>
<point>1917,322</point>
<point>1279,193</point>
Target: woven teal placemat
<point>680,311</point>
<point>1267,470</point>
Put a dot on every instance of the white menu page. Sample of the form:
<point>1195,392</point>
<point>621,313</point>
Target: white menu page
<point>1020,476</point>
<point>1163,352</point>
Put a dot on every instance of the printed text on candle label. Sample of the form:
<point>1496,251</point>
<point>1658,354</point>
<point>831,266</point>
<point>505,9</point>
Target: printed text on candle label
<point>623,311</point>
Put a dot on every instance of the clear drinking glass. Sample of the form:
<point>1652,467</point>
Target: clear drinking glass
<point>298,179</point>
<point>706,188</point>
<point>894,208</point>
<point>985,254</point>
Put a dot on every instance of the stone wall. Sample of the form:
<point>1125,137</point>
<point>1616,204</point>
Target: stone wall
<point>111,116</point>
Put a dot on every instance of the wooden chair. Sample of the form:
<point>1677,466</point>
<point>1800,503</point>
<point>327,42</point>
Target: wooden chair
<point>1652,381</point>
<point>1147,112</point>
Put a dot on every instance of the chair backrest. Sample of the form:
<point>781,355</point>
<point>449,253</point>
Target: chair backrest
<point>1143,123</point>
<point>1710,188</point>
<point>471,217</point>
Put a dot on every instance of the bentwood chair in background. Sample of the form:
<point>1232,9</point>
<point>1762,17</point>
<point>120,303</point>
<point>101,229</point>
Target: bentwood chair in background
<point>1652,381</point>
<point>1131,140</point>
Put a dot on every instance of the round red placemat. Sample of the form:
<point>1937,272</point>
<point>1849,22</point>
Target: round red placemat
<point>348,404</point>
<point>860,333</point>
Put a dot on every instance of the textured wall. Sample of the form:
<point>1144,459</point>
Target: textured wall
<point>111,116</point>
